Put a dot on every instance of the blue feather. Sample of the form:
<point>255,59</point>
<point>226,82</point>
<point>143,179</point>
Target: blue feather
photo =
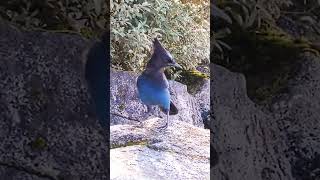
<point>152,93</point>
<point>153,85</point>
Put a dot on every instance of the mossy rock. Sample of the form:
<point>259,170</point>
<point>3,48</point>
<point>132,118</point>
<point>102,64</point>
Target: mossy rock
<point>39,143</point>
<point>194,79</point>
<point>88,33</point>
<point>268,58</point>
<point>122,107</point>
<point>130,143</point>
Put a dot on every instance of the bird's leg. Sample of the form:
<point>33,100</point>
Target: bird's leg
<point>167,120</point>
<point>149,110</point>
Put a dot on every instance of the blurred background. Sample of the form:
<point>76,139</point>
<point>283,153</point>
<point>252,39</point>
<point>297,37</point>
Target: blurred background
<point>262,39</point>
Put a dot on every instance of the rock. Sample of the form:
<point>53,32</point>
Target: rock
<point>142,152</point>
<point>298,120</point>
<point>204,69</point>
<point>124,100</point>
<point>203,98</point>
<point>179,152</point>
<point>242,136</point>
<point>253,142</point>
<point>48,127</point>
<point>12,173</point>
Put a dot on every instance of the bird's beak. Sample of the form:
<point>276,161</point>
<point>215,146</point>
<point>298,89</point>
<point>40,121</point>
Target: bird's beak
<point>176,65</point>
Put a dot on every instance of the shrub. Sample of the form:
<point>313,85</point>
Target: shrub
<point>182,27</point>
<point>233,16</point>
<point>88,17</point>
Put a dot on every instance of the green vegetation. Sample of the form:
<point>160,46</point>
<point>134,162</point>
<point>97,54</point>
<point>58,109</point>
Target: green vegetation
<point>130,143</point>
<point>194,79</point>
<point>183,28</point>
<point>88,17</point>
<point>39,143</point>
<point>249,40</point>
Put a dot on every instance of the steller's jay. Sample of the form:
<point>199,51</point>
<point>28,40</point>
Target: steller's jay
<point>97,74</point>
<point>153,85</point>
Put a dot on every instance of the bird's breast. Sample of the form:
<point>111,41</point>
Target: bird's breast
<point>152,92</point>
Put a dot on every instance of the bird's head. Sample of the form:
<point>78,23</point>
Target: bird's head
<point>161,58</point>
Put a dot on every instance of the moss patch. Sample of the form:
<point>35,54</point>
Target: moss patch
<point>194,79</point>
<point>130,143</point>
<point>39,143</point>
<point>122,107</point>
<point>86,32</point>
<point>267,58</point>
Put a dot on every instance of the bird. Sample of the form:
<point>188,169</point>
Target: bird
<point>97,74</point>
<point>152,84</point>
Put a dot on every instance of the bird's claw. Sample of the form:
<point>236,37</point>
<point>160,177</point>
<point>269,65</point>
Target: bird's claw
<point>165,126</point>
<point>140,125</point>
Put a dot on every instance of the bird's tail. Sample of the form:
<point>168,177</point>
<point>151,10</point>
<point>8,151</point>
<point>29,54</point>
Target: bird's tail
<point>173,109</point>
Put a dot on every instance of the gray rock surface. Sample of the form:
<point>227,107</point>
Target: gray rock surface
<point>179,152</point>
<point>124,100</point>
<point>278,141</point>
<point>141,151</point>
<point>48,128</point>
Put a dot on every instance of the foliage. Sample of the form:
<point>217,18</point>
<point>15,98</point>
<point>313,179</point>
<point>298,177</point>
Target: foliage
<point>254,44</point>
<point>265,10</point>
<point>307,15</point>
<point>217,44</point>
<point>88,17</point>
<point>232,17</point>
<point>244,15</point>
<point>182,27</point>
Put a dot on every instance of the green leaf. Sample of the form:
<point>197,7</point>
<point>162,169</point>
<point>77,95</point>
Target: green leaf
<point>224,44</point>
<point>217,12</point>
<point>238,18</point>
<point>308,19</point>
<point>251,19</point>
<point>222,33</point>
